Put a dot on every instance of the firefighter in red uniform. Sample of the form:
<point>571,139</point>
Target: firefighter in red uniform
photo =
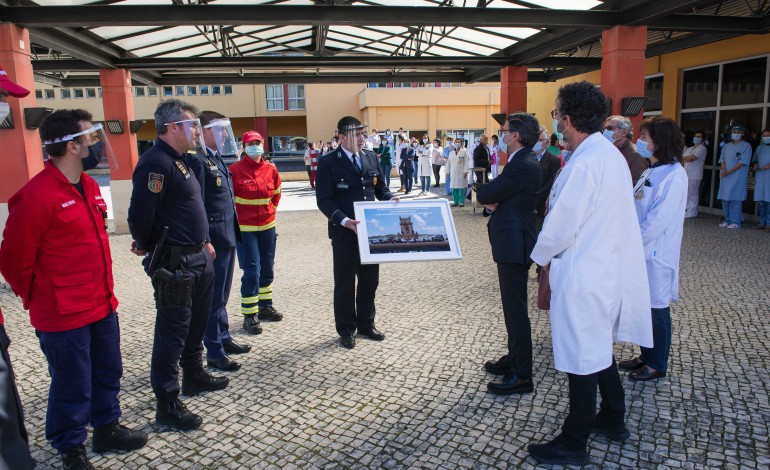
<point>257,190</point>
<point>56,256</point>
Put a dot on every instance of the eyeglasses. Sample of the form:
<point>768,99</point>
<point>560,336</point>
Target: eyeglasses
<point>507,131</point>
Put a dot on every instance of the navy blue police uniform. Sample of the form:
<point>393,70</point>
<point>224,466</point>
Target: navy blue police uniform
<point>339,183</point>
<point>217,191</point>
<point>165,193</point>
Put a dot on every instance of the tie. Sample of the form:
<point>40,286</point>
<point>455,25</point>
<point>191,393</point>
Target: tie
<point>357,161</point>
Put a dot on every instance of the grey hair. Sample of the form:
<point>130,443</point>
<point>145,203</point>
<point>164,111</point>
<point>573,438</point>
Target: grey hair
<point>623,123</point>
<point>169,111</point>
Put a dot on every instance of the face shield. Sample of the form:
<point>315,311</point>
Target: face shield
<point>222,133</point>
<point>192,129</point>
<point>354,137</point>
<point>95,139</point>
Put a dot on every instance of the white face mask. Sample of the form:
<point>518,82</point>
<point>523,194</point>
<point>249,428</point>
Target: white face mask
<point>424,141</point>
<point>643,148</point>
<point>5,110</point>
<point>608,134</point>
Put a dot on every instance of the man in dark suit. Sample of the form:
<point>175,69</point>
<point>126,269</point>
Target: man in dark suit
<point>509,202</point>
<point>481,159</point>
<point>348,174</point>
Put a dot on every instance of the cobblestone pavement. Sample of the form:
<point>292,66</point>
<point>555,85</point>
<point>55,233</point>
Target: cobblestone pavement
<point>418,399</point>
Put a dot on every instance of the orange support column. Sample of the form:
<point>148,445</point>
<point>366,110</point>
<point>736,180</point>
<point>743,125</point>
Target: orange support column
<point>623,60</point>
<point>118,105</point>
<point>513,89</point>
<point>22,152</point>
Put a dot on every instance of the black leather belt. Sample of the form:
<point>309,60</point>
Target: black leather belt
<point>188,249</point>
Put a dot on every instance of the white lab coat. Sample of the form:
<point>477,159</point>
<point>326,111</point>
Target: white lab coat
<point>661,219</point>
<point>457,166</point>
<point>591,238</point>
<point>424,165</point>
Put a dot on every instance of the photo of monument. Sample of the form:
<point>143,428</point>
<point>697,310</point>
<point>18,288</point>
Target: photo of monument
<point>406,230</point>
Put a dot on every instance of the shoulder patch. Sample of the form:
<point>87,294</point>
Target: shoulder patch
<point>155,183</point>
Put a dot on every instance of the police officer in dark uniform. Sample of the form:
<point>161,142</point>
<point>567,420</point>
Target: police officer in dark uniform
<point>217,190</point>
<point>178,260</point>
<point>348,174</point>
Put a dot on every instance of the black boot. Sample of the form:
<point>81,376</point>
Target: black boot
<point>115,436</point>
<point>268,313</point>
<point>76,458</point>
<point>197,380</point>
<point>251,324</point>
<point>173,413</point>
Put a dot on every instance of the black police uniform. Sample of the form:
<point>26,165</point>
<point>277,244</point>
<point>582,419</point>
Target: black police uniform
<point>217,192</point>
<point>338,184</point>
<point>165,193</point>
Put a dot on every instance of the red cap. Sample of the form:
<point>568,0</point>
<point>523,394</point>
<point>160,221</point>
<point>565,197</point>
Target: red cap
<point>251,136</point>
<point>12,88</point>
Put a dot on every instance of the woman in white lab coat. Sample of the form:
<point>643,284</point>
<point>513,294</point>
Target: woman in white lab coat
<point>661,198</point>
<point>424,165</point>
<point>457,169</point>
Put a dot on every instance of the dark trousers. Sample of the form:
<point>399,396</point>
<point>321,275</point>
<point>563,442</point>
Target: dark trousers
<point>85,368</point>
<point>414,170</point>
<point>14,447</point>
<point>513,293</point>
<point>218,327</point>
<point>657,356</point>
<point>179,331</point>
<point>408,177</point>
<point>437,174</point>
<point>582,405</point>
<point>353,305</point>
<point>256,257</point>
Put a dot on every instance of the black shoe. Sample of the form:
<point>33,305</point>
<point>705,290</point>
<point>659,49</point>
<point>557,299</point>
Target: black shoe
<point>223,363</point>
<point>269,313</point>
<point>631,364</point>
<point>251,324</point>
<point>646,374</point>
<point>76,458</point>
<point>115,436</point>
<point>373,334</point>
<point>197,380</point>
<point>231,347</point>
<point>554,453</point>
<point>348,341</point>
<point>501,366</point>
<point>617,433</point>
<point>511,384</point>
<point>176,415</point>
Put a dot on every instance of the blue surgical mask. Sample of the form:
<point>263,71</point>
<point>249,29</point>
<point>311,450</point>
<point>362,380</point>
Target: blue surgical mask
<point>504,147</point>
<point>736,137</point>
<point>254,150</point>
<point>457,145</point>
<point>538,147</point>
<point>608,134</point>
<point>697,140</point>
<point>643,148</point>
<point>559,135</point>
<point>565,154</point>
<point>384,142</point>
<point>766,140</point>
<point>424,141</point>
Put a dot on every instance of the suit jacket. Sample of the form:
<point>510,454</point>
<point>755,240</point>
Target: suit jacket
<point>481,156</point>
<point>511,227</point>
<point>549,166</point>
<point>339,185</point>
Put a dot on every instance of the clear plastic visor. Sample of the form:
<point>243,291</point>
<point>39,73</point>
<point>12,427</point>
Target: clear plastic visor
<point>95,138</point>
<point>192,129</point>
<point>222,133</point>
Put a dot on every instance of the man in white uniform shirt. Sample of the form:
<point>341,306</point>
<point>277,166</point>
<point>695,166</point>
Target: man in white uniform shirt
<point>599,290</point>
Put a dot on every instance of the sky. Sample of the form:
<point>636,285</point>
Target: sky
<point>384,221</point>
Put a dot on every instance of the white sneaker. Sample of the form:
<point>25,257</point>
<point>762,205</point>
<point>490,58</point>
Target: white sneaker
<point>734,226</point>
<point>723,225</point>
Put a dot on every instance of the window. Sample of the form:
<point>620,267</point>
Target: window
<point>65,93</point>
<point>216,89</point>
<point>90,92</point>
<point>204,90</point>
<point>152,91</point>
<point>100,92</point>
<point>228,89</point>
<point>179,91</point>
<point>50,94</point>
<point>78,92</point>
<point>192,90</point>
<point>39,94</point>
<point>287,145</point>
<point>296,96</point>
<point>274,97</point>
<point>168,91</point>
<point>653,90</point>
<point>744,82</point>
<point>694,93</point>
<point>138,91</point>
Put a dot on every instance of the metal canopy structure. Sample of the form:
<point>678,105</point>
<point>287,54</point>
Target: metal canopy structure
<point>179,42</point>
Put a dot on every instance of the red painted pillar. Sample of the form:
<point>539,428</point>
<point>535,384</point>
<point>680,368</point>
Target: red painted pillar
<point>513,89</point>
<point>623,60</point>
<point>260,125</point>
<point>21,147</point>
<point>118,103</point>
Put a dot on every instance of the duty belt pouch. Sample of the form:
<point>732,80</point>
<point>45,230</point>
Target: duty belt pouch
<point>174,285</point>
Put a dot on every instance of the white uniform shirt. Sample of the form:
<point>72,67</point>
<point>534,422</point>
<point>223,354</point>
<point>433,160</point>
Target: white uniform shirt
<point>457,166</point>
<point>694,168</point>
<point>598,276</point>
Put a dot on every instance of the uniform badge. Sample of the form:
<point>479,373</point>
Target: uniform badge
<point>374,180</point>
<point>182,169</point>
<point>219,181</point>
<point>155,184</point>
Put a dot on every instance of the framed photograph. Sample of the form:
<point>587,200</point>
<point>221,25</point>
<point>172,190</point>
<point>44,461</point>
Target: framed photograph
<point>393,232</point>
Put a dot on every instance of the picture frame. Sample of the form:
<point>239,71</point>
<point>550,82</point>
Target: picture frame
<point>396,232</point>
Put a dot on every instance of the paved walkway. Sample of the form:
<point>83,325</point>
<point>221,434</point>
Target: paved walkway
<point>418,399</point>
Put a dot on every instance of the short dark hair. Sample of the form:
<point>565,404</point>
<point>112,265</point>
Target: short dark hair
<point>82,115</point>
<point>207,116</point>
<point>169,111</point>
<point>585,104</point>
<point>527,127</point>
<point>347,122</point>
<point>666,136</point>
<point>59,124</point>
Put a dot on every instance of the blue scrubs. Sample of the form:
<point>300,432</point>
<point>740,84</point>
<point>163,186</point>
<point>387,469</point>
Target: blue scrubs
<point>762,183</point>
<point>733,187</point>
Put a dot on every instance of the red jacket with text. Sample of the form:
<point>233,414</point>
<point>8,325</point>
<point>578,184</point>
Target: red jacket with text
<point>56,254</point>
<point>257,190</point>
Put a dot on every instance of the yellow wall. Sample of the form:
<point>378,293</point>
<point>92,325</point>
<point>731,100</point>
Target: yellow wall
<point>287,126</point>
<point>326,104</point>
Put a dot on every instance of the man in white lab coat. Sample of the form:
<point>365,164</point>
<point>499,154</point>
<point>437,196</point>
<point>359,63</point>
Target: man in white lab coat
<point>599,291</point>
